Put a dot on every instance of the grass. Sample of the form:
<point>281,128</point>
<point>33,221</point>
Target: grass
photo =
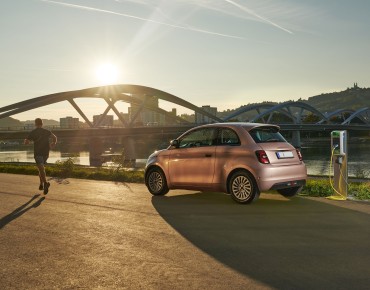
<point>67,169</point>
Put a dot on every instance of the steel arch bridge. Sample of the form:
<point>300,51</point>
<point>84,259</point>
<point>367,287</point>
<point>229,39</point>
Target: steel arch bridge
<point>141,97</point>
<point>294,111</point>
<point>269,109</point>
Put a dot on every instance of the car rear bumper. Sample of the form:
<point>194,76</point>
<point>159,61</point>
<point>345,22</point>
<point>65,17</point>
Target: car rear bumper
<point>288,184</point>
<point>278,177</point>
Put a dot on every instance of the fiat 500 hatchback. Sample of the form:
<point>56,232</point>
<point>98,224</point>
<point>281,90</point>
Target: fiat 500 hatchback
<point>241,159</point>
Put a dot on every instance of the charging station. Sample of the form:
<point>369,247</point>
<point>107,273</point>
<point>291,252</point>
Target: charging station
<point>339,157</point>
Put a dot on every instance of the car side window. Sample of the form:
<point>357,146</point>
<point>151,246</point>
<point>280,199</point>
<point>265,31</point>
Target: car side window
<point>228,136</point>
<point>198,138</point>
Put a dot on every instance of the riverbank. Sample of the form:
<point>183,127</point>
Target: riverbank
<point>315,156</point>
<point>65,170</point>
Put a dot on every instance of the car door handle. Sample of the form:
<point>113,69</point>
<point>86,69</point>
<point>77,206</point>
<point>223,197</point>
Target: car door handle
<point>208,155</point>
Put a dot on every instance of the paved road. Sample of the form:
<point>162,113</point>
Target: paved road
<point>94,234</point>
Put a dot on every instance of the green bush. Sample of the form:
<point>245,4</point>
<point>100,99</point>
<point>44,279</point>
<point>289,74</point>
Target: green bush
<point>360,190</point>
<point>317,188</point>
<point>322,188</point>
<point>19,169</point>
<point>65,168</point>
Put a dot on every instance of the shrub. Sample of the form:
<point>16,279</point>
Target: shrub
<point>317,187</point>
<point>65,168</point>
<point>360,190</point>
<point>322,188</point>
<point>19,169</point>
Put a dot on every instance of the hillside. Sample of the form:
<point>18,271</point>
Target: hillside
<point>353,98</point>
<point>10,122</point>
<point>46,122</point>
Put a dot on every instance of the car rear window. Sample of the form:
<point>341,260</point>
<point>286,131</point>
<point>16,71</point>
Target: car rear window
<point>266,134</point>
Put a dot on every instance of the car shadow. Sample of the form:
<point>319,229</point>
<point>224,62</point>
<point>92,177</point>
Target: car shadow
<point>287,244</point>
<point>21,210</point>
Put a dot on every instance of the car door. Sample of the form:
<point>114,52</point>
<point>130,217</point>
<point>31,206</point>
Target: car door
<point>192,163</point>
<point>227,153</point>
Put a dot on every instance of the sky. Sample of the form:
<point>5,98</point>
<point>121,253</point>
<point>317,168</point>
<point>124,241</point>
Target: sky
<point>223,53</point>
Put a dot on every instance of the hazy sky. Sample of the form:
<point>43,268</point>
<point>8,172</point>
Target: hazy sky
<point>223,53</point>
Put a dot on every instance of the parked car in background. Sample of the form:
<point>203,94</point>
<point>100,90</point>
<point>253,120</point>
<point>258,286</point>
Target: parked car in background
<point>241,159</point>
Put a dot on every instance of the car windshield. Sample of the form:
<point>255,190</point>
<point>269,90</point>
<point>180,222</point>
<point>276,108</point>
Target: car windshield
<point>266,134</point>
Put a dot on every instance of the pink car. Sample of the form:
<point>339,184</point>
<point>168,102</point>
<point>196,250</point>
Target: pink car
<point>240,159</point>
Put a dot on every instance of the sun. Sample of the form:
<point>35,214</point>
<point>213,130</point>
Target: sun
<point>106,73</point>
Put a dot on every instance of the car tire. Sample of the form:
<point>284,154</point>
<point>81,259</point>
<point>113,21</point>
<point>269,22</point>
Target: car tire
<point>156,181</point>
<point>242,187</point>
<point>290,192</point>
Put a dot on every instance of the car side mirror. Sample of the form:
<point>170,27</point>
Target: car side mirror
<point>175,143</point>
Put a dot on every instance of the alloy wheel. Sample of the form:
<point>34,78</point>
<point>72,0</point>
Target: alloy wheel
<point>242,187</point>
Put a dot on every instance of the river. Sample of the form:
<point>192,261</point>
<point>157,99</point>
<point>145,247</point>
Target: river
<point>316,158</point>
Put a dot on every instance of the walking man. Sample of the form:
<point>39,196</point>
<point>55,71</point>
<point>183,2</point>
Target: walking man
<point>41,148</point>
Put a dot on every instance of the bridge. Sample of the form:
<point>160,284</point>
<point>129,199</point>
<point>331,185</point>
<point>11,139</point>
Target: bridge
<point>142,98</point>
<point>290,116</point>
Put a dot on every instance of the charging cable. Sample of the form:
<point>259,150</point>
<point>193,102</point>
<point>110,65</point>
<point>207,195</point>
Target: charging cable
<point>340,170</point>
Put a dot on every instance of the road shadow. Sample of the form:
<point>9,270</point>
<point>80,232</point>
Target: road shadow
<point>286,244</point>
<point>21,210</point>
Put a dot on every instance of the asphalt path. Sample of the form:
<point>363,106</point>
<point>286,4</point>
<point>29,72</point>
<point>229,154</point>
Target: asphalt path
<point>105,235</point>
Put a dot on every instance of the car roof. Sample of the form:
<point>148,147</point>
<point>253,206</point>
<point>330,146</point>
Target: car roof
<point>245,125</point>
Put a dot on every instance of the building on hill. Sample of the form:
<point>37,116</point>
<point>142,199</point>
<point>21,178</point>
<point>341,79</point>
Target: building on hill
<point>354,88</point>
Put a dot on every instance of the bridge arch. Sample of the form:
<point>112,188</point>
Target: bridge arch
<point>134,94</point>
<point>270,108</point>
<point>286,109</point>
<point>359,114</point>
<point>339,112</point>
<point>248,108</point>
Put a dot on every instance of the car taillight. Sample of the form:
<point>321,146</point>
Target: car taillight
<point>262,157</point>
<point>299,155</point>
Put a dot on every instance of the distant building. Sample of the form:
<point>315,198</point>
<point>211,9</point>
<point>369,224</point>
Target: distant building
<point>69,123</point>
<point>146,117</point>
<point>100,121</point>
<point>29,126</point>
<point>169,120</point>
<point>118,122</point>
<point>202,119</point>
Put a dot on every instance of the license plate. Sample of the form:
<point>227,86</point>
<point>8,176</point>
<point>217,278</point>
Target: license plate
<point>284,154</point>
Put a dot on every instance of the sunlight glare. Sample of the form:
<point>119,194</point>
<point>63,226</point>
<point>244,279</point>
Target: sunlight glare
<point>107,73</point>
